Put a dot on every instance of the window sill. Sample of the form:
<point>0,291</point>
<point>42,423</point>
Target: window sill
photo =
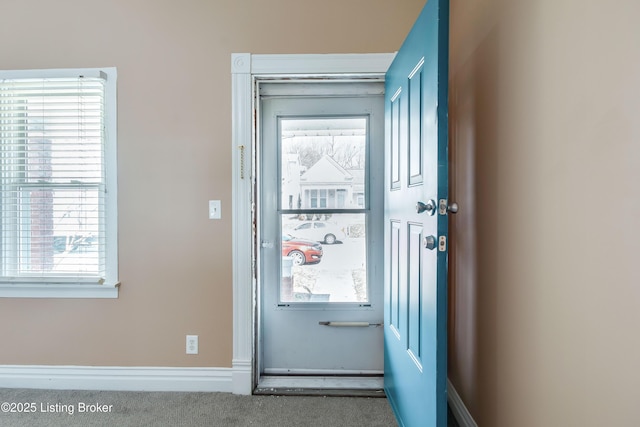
<point>56,290</point>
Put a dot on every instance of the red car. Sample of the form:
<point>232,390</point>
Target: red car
<point>302,251</point>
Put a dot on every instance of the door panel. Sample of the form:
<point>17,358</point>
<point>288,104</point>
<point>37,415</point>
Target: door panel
<point>395,128</point>
<point>414,292</point>
<point>393,294</point>
<point>415,85</point>
<point>415,262</point>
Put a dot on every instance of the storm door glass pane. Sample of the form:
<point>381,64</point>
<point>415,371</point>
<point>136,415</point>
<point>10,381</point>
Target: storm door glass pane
<point>323,209</point>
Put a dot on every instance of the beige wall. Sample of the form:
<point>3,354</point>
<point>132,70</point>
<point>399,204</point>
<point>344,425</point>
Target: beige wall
<point>546,145</point>
<point>174,115</point>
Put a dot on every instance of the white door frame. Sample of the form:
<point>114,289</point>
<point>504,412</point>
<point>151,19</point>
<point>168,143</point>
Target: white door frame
<point>245,69</point>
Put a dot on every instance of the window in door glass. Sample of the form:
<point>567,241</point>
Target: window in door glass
<point>324,245</point>
<point>325,262</point>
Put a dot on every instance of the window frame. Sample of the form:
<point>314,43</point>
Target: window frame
<point>108,286</point>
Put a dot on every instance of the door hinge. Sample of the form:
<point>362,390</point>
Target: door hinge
<point>442,243</point>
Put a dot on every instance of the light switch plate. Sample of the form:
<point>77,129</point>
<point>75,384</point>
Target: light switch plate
<point>215,209</point>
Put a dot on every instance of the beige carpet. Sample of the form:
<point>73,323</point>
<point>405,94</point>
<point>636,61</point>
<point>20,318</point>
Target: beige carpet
<point>109,408</point>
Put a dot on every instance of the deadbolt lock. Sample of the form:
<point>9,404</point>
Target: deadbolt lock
<point>429,242</point>
<point>442,246</point>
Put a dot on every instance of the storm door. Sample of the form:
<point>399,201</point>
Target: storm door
<point>320,235</point>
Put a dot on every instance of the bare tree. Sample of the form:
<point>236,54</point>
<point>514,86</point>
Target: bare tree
<point>346,151</point>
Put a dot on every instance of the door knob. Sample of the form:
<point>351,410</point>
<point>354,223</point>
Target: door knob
<point>452,208</point>
<point>429,207</point>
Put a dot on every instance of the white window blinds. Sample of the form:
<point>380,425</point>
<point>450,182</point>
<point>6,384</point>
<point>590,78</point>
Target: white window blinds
<point>52,178</point>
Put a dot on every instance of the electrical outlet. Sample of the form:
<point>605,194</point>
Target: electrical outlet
<point>192,344</point>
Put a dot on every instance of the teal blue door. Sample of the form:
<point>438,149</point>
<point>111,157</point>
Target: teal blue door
<point>416,180</point>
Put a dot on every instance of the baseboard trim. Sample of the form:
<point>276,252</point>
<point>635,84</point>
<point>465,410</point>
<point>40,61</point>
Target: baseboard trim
<point>242,376</point>
<point>117,378</point>
<point>458,408</point>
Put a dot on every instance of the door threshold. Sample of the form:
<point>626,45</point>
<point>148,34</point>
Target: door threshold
<point>354,386</point>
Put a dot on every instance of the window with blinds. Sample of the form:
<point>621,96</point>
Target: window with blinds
<point>54,143</point>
